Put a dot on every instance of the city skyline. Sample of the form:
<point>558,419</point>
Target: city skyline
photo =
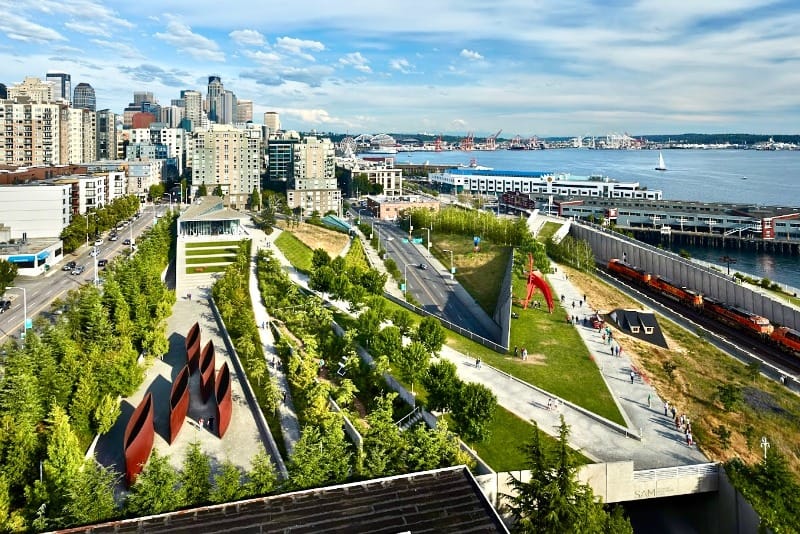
<point>554,69</point>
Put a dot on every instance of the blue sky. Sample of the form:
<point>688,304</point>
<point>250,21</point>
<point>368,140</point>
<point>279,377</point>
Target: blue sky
<point>529,67</point>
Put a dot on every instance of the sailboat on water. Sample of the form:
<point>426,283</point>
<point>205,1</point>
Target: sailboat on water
<point>661,165</point>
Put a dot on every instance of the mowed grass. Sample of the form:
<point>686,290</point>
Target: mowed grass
<point>210,259</point>
<point>207,251</point>
<point>481,273</point>
<point>212,244</point>
<point>297,252</point>
<point>547,231</point>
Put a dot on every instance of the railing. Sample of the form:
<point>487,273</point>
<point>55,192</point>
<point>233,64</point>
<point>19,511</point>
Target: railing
<point>666,473</point>
<point>407,417</point>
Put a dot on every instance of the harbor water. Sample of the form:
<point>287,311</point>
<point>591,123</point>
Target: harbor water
<point>753,177</point>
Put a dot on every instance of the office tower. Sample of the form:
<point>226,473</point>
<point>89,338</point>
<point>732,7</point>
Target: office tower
<point>193,107</point>
<point>172,115</point>
<point>227,157</point>
<point>215,89</point>
<point>244,110</point>
<point>3,91</point>
<point>314,187</point>
<point>33,89</point>
<point>84,97</point>
<point>226,107</point>
<point>140,97</point>
<point>106,137</point>
<point>35,138</point>
<point>272,120</point>
<point>62,85</point>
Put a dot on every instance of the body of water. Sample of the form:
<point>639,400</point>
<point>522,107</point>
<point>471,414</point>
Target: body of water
<point>766,178</point>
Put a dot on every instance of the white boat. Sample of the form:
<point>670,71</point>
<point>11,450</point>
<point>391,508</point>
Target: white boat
<point>661,165</point>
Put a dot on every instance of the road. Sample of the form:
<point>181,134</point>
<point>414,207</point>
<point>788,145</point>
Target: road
<point>41,291</point>
<point>432,287</point>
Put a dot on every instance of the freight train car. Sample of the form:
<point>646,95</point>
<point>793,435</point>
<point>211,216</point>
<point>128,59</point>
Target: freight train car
<point>676,292</point>
<point>629,272</point>
<point>787,338</point>
<point>736,316</point>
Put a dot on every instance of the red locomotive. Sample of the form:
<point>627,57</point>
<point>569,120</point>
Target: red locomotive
<point>679,293</point>
<point>629,272</point>
<point>787,338</point>
<point>737,316</point>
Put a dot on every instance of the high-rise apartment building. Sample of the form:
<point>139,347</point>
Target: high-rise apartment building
<point>33,89</point>
<point>62,85</point>
<point>272,120</point>
<point>80,141</point>
<point>84,97</point>
<point>30,133</point>
<point>3,91</point>
<point>193,107</point>
<point>314,188</point>
<point>215,89</point>
<point>244,111</point>
<point>280,158</point>
<point>227,157</point>
<point>106,137</point>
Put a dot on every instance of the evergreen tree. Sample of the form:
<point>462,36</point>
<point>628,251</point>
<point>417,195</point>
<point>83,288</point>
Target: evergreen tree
<point>156,488</point>
<point>227,484</point>
<point>262,478</point>
<point>195,477</point>
<point>91,495</point>
<point>383,444</point>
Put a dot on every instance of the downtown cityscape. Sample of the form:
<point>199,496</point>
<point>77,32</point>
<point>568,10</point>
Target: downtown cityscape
<point>259,274</point>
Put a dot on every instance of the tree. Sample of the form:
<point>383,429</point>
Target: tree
<point>431,334</point>
<point>227,484</point>
<point>474,411</point>
<point>202,190</point>
<point>106,413</point>
<point>156,191</point>
<point>387,343</point>
<point>262,478</point>
<point>442,383</point>
<point>8,272</point>
<point>413,360</point>
<point>255,200</point>
<point>195,477</point>
<point>320,258</point>
<point>218,191</point>
<point>62,464</point>
<point>553,501</point>
<point>401,318</point>
<point>730,395</point>
<point>91,495</point>
<point>155,489</point>
<point>320,456</point>
<point>383,444</point>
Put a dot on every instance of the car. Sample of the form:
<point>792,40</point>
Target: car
<point>126,242</point>
<point>4,305</point>
<point>78,270</point>
<point>98,242</point>
<point>94,252</point>
<point>113,237</point>
<point>102,263</point>
<point>423,266</point>
<point>69,266</point>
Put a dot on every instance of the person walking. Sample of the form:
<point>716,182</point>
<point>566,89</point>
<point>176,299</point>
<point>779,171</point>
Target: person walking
<point>633,376</point>
<point>477,363</point>
<point>516,351</point>
<point>648,400</point>
<point>666,408</point>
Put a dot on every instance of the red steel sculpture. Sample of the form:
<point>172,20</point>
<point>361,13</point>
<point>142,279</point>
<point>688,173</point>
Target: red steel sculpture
<point>178,403</point>
<point>535,280</point>
<point>223,394</point>
<point>193,348</point>
<point>138,440</point>
<point>207,363</point>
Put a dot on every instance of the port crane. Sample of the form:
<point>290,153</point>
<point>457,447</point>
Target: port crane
<point>491,141</point>
<point>467,143</point>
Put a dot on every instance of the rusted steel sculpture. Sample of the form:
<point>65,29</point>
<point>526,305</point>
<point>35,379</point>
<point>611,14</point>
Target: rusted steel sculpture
<point>193,348</point>
<point>535,279</point>
<point>224,404</point>
<point>178,403</point>
<point>207,363</point>
<point>138,441</point>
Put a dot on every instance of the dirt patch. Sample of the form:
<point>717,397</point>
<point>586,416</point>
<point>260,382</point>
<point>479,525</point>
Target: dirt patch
<point>316,237</point>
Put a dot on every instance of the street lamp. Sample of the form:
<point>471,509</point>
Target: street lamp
<point>168,195</point>
<point>429,240</point>
<point>728,261</point>
<point>452,270</point>
<point>405,278</point>
<point>24,308</point>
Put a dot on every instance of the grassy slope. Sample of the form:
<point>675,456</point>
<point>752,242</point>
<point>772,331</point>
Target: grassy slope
<point>295,251</point>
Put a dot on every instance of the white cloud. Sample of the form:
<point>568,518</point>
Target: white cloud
<point>181,37</point>
<point>119,48</point>
<point>298,47</point>
<point>247,37</point>
<point>88,28</point>
<point>402,65</point>
<point>20,29</point>
<point>357,61</point>
<point>263,57</point>
<point>311,116</point>
<point>470,54</point>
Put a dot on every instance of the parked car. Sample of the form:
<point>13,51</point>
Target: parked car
<point>113,237</point>
<point>4,305</point>
<point>69,266</point>
<point>98,242</point>
<point>102,263</point>
<point>126,242</point>
<point>78,270</point>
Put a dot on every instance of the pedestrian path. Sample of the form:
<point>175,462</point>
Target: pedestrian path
<point>290,427</point>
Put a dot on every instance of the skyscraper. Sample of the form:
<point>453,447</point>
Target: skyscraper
<point>193,107</point>
<point>3,91</point>
<point>244,110</point>
<point>314,187</point>
<point>215,89</point>
<point>62,85</point>
<point>84,97</point>
<point>106,135</point>
<point>272,120</point>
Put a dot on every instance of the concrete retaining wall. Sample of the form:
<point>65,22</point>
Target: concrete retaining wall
<point>607,245</point>
<point>349,429</point>
<point>502,312</point>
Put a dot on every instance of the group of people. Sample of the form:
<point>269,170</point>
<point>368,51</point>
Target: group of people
<point>523,354</point>
<point>552,404</point>
<point>682,422</point>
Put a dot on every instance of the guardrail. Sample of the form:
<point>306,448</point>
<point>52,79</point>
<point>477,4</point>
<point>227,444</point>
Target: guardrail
<point>666,473</point>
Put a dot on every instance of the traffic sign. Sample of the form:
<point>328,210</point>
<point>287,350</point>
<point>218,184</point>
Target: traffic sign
<point>402,287</point>
<point>417,240</point>
<point>28,323</point>
<point>452,270</point>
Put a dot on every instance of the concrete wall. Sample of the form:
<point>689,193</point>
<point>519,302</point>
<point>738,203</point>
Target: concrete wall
<point>502,312</point>
<point>607,245</point>
<point>349,429</point>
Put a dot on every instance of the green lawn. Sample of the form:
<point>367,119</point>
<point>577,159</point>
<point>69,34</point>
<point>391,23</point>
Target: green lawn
<point>210,259</point>
<point>297,252</point>
<point>207,251</point>
<point>547,231</point>
<point>212,244</point>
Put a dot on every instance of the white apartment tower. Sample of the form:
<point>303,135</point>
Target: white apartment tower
<point>30,133</point>
<point>314,187</point>
<point>33,89</point>
<point>272,120</point>
<point>81,139</point>
<point>227,157</point>
<point>193,107</point>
